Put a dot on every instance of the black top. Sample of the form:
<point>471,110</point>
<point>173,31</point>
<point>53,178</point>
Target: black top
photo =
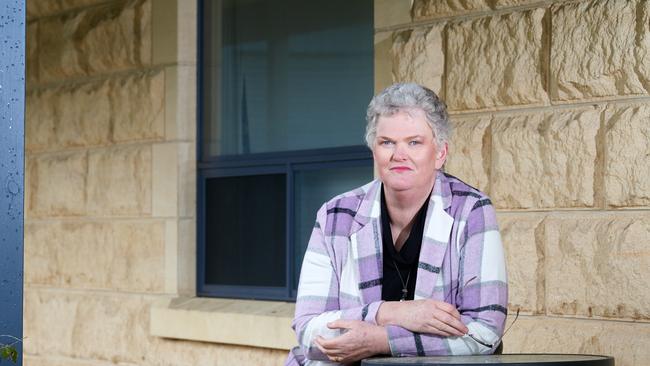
<point>406,259</point>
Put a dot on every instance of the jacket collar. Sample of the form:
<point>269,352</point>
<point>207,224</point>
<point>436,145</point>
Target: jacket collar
<point>366,236</point>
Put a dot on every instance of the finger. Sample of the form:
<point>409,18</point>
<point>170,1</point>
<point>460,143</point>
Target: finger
<point>449,309</point>
<point>330,344</point>
<point>445,329</point>
<point>451,321</point>
<point>323,349</point>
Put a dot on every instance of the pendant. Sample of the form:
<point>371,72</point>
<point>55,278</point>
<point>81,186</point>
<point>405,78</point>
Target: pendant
<point>404,294</point>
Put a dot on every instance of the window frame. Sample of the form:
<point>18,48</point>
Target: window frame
<point>287,162</point>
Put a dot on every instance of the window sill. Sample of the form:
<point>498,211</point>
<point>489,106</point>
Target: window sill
<point>264,324</point>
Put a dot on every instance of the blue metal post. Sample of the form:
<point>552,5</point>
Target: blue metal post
<point>12,136</point>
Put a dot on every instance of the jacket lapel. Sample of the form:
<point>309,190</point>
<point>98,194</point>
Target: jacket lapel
<point>435,238</point>
<point>366,245</point>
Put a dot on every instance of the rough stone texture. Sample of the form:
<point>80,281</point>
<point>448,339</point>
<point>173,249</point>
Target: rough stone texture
<point>68,116</point>
<point>31,53</point>
<point>544,160</point>
<point>469,151</point>
<point>500,4</point>
<point>119,181</point>
<point>56,184</point>
<point>99,39</point>
<point>642,48</point>
<point>39,8</point>
<point>607,255</point>
<point>627,164</point>
<point>102,326</point>
<point>39,122</point>
<point>525,256</point>
<point>627,342</point>
<point>112,327</point>
<point>589,62</point>
<point>97,113</point>
<point>495,61</point>
<point>418,56</point>
<point>124,256</point>
<point>138,111</point>
<point>427,9</point>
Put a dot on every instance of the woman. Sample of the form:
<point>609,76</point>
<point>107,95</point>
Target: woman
<point>410,264</point>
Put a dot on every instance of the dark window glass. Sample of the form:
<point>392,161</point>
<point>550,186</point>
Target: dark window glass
<point>292,75</point>
<point>245,230</point>
<point>313,188</point>
<point>284,85</point>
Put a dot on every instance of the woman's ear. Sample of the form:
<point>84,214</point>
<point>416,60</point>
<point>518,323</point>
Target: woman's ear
<point>441,155</point>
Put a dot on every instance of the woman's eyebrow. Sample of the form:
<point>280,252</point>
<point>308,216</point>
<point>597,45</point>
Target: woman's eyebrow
<point>404,138</point>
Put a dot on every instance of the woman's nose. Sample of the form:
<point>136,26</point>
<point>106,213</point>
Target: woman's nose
<point>399,154</point>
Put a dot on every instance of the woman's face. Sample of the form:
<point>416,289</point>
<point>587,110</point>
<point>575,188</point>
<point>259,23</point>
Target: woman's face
<point>405,151</point>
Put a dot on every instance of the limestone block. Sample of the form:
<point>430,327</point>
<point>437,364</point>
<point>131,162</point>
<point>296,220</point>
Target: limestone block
<point>597,265</point>
<point>165,179</point>
<point>469,151</point>
<point>57,184</point>
<point>588,62</point>
<point>39,122</point>
<point>187,176</point>
<point>119,181</point>
<point>44,360</point>
<point>428,9</point>
<point>391,12</point>
<point>180,103</point>
<point>138,106</point>
<point>39,8</point>
<point>642,49</point>
<point>544,159</point>
<point>31,53</point>
<point>500,4</point>
<point>112,327</point>
<point>81,114</point>
<point>418,56</point>
<point>186,257</point>
<point>110,37</point>
<point>496,61</point>
<point>124,256</point>
<point>627,342</point>
<point>627,163</point>
<point>97,325</point>
<point>189,353</point>
<point>525,255</point>
<point>383,60</point>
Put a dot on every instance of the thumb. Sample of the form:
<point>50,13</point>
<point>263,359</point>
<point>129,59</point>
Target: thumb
<point>338,324</point>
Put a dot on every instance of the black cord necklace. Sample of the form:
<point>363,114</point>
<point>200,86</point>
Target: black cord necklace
<point>405,290</point>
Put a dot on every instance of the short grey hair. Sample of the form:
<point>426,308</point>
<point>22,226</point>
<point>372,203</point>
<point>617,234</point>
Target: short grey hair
<point>404,97</point>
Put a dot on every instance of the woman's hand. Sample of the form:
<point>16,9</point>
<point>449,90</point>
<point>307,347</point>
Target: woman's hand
<point>423,316</point>
<point>358,341</point>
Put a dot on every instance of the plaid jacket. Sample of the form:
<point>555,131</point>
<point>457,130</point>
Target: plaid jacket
<point>461,262</point>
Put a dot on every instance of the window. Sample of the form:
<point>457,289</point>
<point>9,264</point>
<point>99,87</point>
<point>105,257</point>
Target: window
<point>284,85</point>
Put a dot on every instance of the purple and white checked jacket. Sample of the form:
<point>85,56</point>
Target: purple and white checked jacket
<point>461,262</point>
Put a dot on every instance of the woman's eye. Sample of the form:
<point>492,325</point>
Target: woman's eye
<point>414,142</point>
<point>386,143</point>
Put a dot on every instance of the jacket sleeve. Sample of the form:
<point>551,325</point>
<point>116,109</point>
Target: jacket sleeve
<point>482,296</point>
<point>317,302</point>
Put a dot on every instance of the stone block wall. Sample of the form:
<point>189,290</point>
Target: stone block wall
<point>550,103</point>
<point>110,183</point>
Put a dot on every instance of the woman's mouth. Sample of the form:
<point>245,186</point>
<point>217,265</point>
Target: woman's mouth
<point>400,169</point>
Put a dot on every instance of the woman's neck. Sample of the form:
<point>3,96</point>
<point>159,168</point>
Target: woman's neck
<point>403,205</point>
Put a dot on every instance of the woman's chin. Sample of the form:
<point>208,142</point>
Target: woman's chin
<point>398,185</point>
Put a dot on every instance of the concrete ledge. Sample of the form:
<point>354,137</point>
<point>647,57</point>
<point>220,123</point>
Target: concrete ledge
<point>264,324</point>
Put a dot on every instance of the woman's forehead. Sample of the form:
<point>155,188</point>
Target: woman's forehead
<point>404,123</point>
